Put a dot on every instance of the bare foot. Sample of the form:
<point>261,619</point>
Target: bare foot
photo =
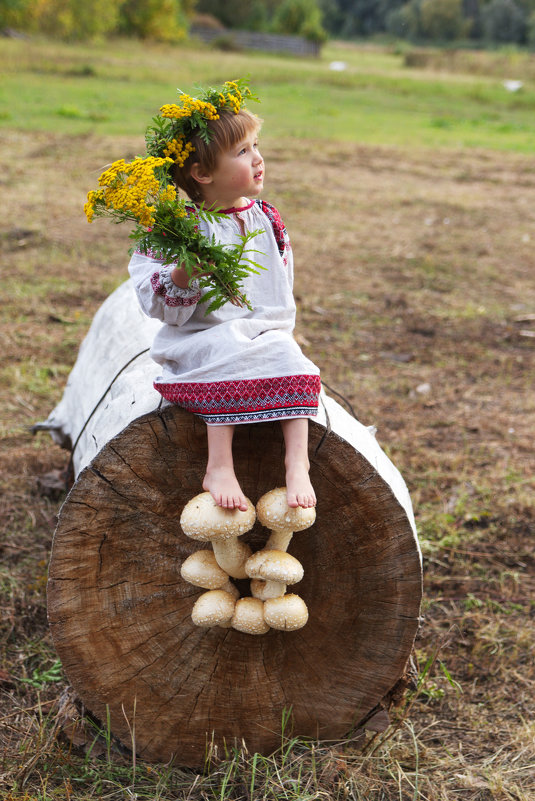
<point>299,490</point>
<point>222,484</point>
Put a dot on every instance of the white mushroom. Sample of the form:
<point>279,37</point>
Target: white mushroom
<point>202,519</point>
<point>273,512</point>
<point>202,570</point>
<point>213,608</point>
<point>271,571</point>
<point>286,613</point>
<point>249,616</point>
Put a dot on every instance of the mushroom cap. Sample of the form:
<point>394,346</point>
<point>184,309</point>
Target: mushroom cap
<point>287,613</point>
<point>274,566</point>
<point>213,608</point>
<point>273,512</point>
<point>203,519</point>
<point>202,570</point>
<point>249,616</point>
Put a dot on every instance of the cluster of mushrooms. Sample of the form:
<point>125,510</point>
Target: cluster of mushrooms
<point>270,569</point>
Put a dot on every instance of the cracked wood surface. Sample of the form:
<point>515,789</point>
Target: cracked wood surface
<point>120,612</point>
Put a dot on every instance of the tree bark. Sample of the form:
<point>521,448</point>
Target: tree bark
<point>119,610</point>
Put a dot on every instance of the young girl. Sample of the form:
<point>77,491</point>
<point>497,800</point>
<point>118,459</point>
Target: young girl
<point>233,365</point>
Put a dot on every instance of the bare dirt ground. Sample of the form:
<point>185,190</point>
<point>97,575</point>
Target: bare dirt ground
<point>414,282</point>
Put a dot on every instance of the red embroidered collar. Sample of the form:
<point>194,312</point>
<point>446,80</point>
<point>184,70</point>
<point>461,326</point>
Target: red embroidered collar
<point>234,209</point>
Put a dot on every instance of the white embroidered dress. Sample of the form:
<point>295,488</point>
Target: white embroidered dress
<point>232,365</point>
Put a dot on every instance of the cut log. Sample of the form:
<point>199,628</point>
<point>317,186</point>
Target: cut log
<point>120,613</point>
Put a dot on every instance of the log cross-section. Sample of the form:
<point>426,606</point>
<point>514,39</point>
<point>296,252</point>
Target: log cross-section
<point>120,613</point>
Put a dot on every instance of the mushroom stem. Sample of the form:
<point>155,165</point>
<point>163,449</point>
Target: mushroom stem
<point>274,513</point>
<point>231,555</point>
<point>279,539</point>
<point>267,589</point>
<point>231,589</point>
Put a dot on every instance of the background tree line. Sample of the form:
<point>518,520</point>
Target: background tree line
<point>479,21</point>
<point>484,21</point>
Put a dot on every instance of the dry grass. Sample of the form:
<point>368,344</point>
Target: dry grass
<point>505,64</point>
<point>416,298</point>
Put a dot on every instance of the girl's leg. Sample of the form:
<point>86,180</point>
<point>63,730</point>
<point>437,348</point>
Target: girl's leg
<point>299,489</point>
<point>220,479</point>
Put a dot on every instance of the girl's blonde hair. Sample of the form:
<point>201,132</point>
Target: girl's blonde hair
<point>225,132</point>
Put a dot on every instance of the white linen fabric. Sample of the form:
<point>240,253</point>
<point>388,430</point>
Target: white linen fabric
<point>200,352</point>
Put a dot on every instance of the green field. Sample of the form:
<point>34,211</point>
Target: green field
<point>113,89</point>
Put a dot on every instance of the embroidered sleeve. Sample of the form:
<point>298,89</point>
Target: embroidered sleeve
<point>279,229</point>
<point>158,296</point>
<point>173,295</point>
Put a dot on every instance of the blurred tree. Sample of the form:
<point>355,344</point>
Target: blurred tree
<point>73,19</point>
<point>14,13</point>
<point>531,30</point>
<point>404,22</point>
<point>361,17</point>
<point>504,21</point>
<point>258,18</point>
<point>94,19</point>
<point>239,13</point>
<point>443,20</point>
<point>301,18</point>
<point>161,20</point>
<point>472,12</point>
<point>332,16</point>
<point>357,17</point>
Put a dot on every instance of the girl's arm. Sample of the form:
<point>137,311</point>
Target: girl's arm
<point>163,291</point>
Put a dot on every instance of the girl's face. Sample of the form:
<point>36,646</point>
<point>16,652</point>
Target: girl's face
<point>239,174</point>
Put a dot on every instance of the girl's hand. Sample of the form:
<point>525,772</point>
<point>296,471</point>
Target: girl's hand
<point>180,277</point>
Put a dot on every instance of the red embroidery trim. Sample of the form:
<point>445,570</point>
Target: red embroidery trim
<point>172,300</point>
<point>279,229</point>
<point>247,400</point>
<point>233,210</point>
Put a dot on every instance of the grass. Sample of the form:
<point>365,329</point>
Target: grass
<point>105,90</point>
<point>411,215</point>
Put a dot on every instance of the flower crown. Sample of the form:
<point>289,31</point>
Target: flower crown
<point>173,129</point>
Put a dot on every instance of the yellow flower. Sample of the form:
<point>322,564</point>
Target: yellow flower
<point>131,188</point>
<point>92,199</point>
<point>178,151</point>
<point>190,105</point>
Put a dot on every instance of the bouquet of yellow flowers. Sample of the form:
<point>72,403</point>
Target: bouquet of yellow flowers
<point>166,226</point>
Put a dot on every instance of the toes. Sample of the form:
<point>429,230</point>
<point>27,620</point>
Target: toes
<point>231,502</point>
<point>237,502</point>
<point>305,501</point>
<point>292,500</point>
